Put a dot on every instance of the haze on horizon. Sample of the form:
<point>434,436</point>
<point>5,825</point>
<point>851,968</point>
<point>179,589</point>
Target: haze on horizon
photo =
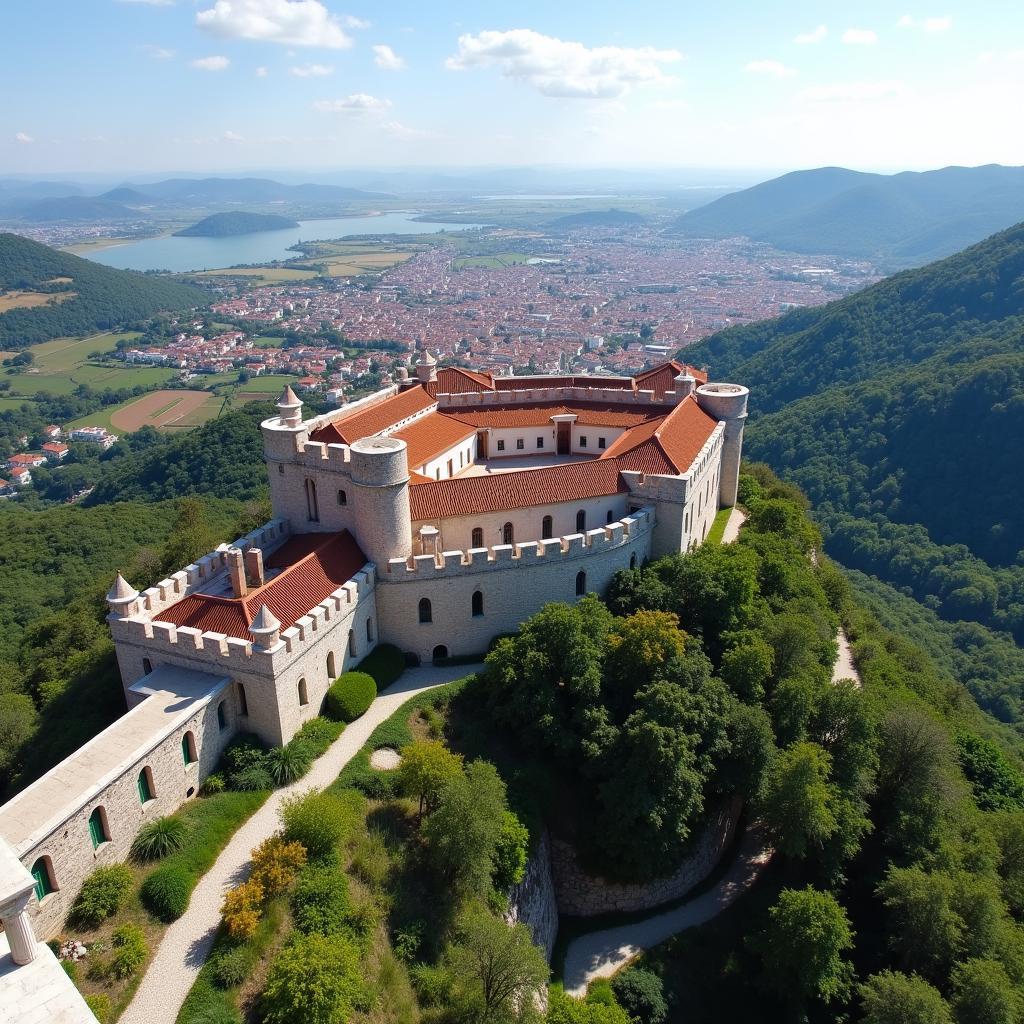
<point>115,87</point>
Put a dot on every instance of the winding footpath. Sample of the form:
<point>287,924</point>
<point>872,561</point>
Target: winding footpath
<point>186,943</point>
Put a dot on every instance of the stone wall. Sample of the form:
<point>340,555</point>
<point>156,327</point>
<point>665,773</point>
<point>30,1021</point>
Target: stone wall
<point>582,895</point>
<point>532,902</point>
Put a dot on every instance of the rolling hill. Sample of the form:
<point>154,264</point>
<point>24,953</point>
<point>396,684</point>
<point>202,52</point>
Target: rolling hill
<point>101,296</point>
<point>597,218</point>
<point>225,225</point>
<point>898,220</point>
<point>69,208</point>
<point>200,191</point>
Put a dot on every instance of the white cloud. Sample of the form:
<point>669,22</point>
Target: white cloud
<point>262,72</point>
<point>356,103</point>
<point>860,37</point>
<point>814,36</point>
<point>289,22</point>
<point>23,137</point>
<point>556,67</point>
<point>158,52</point>
<point>354,23</point>
<point>943,24</point>
<point>230,136</point>
<point>386,58</point>
<point>312,70</point>
<point>216,63</point>
<point>770,67</point>
<point>844,92</point>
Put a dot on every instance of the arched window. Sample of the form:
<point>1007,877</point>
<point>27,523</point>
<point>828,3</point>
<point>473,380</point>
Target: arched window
<point>632,560</point>
<point>147,666</point>
<point>351,644</point>
<point>507,534</point>
<point>312,509</point>
<point>478,603</point>
<point>145,785</point>
<point>342,498</point>
<point>581,521</point>
<point>243,704</point>
<point>426,612</point>
<point>222,716</point>
<point>303,693</point>
<point>369,630</point>
<point>98,831</point>
<point>188,748</point>
<point>545,528</point>
<point>440,651</point>
<point>581,584</point>
<point>42,872</point>
<point>478,538</point>
<point>331,674</point>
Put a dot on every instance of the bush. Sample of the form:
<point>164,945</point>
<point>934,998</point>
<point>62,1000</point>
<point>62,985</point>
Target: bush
<point>315,979</point>
<point>385,663</point>
<point>318,734</point>
<point>350,696</point>
<point>70,969</point>
<point>242,908</point>
<point>370,859</point>
<point>159,837</point>
<point>166,892</point>
<point>101,895</point>
<point>230,967</point>
<point>511,853</point>
<point>641,994</point>
<point>130,951</point>
<point>215,783</point>
<point>290,762</point>
<point>100,1006</point>
<point>252,780</point>
<point>319,821</point>
<point>275,863</point>
<point>320,902</point>
<point>245,764</point>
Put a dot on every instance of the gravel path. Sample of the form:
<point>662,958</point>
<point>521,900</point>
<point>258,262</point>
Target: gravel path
<point>601,954</point>
<point>186,943</point>
<point>732,525</point>
<point>844,667</point>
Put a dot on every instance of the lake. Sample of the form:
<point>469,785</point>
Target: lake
<point>178,254</point>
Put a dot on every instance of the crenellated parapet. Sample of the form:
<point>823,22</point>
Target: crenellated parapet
<point>551,396</point>
<point>532,554</point>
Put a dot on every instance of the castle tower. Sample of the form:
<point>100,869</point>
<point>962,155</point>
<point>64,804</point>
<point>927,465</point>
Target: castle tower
<point>121,598</point>
<point>727,402</point>
<point>426,367</point>
<point>380,478</point>
<point>290,406</point>
<point>265,629</point>
<point>284,436</point>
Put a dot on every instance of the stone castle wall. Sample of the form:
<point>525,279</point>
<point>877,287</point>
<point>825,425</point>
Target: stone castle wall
<point>532,902</point>
<point>582,895</point>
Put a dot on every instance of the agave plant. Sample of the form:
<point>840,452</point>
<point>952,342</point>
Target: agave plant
<point>159,837</point>
<point>288,763</point>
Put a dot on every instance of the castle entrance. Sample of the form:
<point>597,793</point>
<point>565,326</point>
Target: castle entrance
<point>563,437</point>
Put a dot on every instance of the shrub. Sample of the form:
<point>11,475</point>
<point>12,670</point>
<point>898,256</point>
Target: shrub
<point>215,783</point>
<point>70,969</point>
<point>317,820</point>
<point>245,764</point>
<point>242,908</point>
<point>511,853</point>
<point>166,892</point>
<point>350,696</point>
<point>318,734</point>
<point>385,663</point>
<point>130,951</point>
<point>101,895</point>
<point>601,993</point>
<point>315,979</point>
<point>641,994</point>
<point>100,1006</point>
<point>230,967</point>
<point>320,902</point>
<point>275,863</point>
<point>251,780</point>
<point>290,762</point>
<point>159,837</point>
<point>370,859</point>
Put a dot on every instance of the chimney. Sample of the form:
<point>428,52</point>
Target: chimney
<point>236,570</point>
<point>254,568</point>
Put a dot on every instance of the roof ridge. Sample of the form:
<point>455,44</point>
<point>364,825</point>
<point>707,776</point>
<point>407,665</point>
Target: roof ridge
<point>259,592</point>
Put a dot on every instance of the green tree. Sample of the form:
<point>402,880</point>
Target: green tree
<point>803,945</point>
<point>799,802</point>
<point>893,998</point>
<point>984,994</point>
<point>511,853</point>
<point>496,970</point>
<point>747,666</point>
<point>314,979</point>
<point>191,536</point>
<point>563,1009</point>
<point>427,767</point>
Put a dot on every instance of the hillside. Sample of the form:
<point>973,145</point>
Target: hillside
<point>102,297</point>
<point>597,218</point>
<point>226,225</point>
<point>73,208</point>
<point>197,191</point>
<point>899,220</point>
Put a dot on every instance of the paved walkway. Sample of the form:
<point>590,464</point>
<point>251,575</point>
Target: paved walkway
<point>737,517</point>
<point>601,954</point>
<point>186,943</point>
<point>844,667</point>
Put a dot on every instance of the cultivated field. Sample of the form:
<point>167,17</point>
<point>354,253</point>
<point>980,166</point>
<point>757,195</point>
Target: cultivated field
<point>27,300</point>
<point>160,409</point>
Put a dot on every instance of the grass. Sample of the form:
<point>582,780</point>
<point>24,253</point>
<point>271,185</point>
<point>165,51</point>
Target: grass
<point>717,531</point>
<point>29,300</point>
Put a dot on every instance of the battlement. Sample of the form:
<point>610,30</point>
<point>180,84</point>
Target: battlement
<point>351,408</point>
<point>532,553</point>
<point>317,455</point>
<point>228,651</point>
<point>550,396</point>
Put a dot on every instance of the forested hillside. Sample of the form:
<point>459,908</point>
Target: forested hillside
<point>236,222</point>
<point>98,297</point>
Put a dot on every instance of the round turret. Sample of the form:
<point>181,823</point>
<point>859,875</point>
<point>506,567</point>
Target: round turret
<point>426,367</point>
<point>380,479</point>
<point>727,402</point>
<point>121,598</point>
<point>265,629</point>
<point>290,407</point>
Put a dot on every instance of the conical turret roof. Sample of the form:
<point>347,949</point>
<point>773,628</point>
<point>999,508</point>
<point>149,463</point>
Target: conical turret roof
<point>264,621</point>
<point>122,590</point>
<point>288,399</point>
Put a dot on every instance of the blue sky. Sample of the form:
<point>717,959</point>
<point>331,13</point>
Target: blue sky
<point>132,86</point>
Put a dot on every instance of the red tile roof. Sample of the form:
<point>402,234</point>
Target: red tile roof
<point>374,419</point>
<point>464,496</point>
<point>530,414</point>
<point>662,378</point>
<point>454,380</point>
<point>312,566</point>
<point>431,435</point>
<point>545,381</point>
<point>668,444</point>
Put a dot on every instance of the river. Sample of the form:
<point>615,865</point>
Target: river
<point>180,254</point>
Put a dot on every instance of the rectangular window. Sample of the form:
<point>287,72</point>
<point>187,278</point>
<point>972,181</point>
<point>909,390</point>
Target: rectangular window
<point>501,446</point>
<point>583,442</point>
<point>540,442</point>
<point>520,444</point>
<point>96,830</point>
<point>600,442</point>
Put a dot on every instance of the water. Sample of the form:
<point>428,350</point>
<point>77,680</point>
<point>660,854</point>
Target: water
<point>172,252</point>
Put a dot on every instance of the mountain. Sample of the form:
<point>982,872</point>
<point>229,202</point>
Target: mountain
<point>597,218</point>
<point>102,297</point>
<point>898,220</point>
<point>129,196</point>
<point>70,208</point>
<point>224,225</point>
<point>199,191</point>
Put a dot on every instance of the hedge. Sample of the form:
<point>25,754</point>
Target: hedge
<point>165,894</point>
<point>385,663</point>
<point>350,696</point>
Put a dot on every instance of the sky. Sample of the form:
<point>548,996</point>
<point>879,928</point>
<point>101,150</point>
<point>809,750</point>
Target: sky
<point>117,87</point>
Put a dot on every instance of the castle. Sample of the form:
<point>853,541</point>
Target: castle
<point>434,515</point>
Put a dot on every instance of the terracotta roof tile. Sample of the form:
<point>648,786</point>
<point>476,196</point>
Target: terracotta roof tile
<point>463,496</point>
<point>455,380</point>
<point>431,435</point>
<point>668,444</point>
<point>568,381</point>
<point>662,378</point>
<point>376,418</point>
<point>536,414</point>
